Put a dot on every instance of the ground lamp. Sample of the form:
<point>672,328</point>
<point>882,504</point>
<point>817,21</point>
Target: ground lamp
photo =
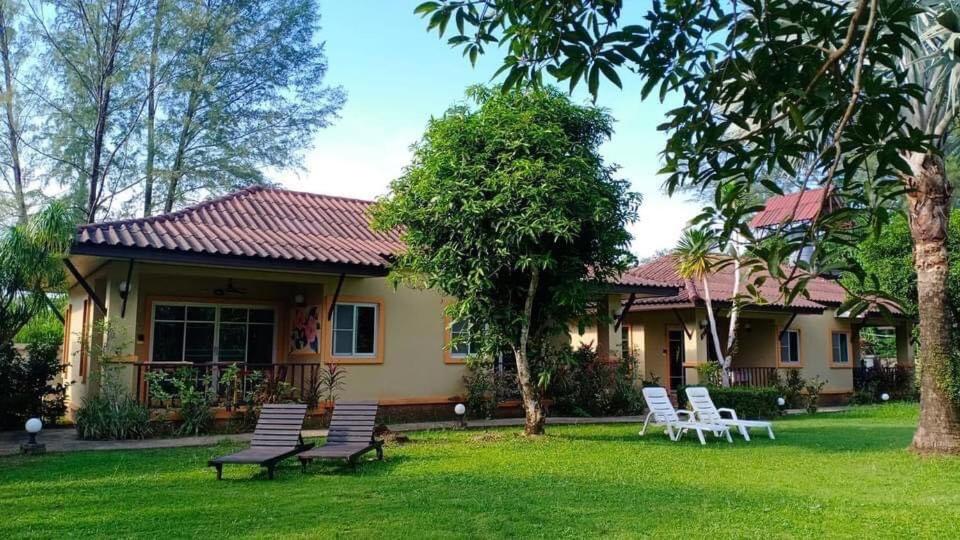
<point>461,410</point>
<point>781,402</point>
<point>33,426</point>
<point>885,396</point>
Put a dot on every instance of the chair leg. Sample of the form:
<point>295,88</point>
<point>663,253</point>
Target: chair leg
<point>729,438</point>
<point>770,432</point>
<point>700,436</point>
<point>219,467</point>
<point>303,465</point>
<point>270,471</point>
<point>644,429</point>
<point>380,453</point>
<point>745,432</point>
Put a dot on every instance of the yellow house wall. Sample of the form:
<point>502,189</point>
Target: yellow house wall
<point>412,369</point>
<point>758,345</point>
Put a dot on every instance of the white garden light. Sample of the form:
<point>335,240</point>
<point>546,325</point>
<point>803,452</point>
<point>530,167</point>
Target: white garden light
<point>885,396</point>
<point>781,402</point>
<point>33,427</point>
<point>460,409</point>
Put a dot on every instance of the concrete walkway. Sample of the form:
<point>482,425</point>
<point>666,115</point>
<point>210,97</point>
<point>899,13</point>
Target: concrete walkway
<point>65,439</point>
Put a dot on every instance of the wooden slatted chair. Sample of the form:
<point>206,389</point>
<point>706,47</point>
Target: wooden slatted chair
<point>350,434</point>
<point>276,438</point>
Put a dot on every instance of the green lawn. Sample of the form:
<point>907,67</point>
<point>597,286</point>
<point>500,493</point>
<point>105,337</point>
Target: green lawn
<point>836,475</point>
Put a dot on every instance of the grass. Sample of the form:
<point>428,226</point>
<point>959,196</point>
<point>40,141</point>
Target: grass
<point>830,475</point>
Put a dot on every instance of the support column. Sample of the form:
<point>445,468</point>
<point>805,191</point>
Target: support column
<point>904,334</point>
<point>608,336</point>
<point>122,330</point>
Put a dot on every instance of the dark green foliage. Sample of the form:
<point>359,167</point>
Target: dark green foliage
<point>899,383</point>
<point>586,385</point>
<point>27,387</point>
<point>789,385</point>
<point>486,388</point>
<point>30,265</point>
<point>889,258</point>
<point>112,413</point>
<point>749,402</point>
<point>509,208</point>
<point>112,417</point>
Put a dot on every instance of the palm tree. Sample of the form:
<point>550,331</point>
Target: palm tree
<point>31,266</point>
<point>935,66</point>
<point>697,257</point>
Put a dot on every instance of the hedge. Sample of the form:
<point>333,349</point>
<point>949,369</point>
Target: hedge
<point>749,402</point>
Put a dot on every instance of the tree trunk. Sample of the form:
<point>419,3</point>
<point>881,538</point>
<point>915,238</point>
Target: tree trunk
<point>152,109</point>
<point>929,207</point>
<point>732,331</point>
<point>176,172</point>
<point>13,133</point>
<point>714,331</point>
<point>532,405</point>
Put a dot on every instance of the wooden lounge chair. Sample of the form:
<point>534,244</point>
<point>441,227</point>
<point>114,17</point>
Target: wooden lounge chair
<point>706,411</point>
<point>350,434</point>
<point>276,438</point>
<point>663,413</point>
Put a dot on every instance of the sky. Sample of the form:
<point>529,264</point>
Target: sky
<point>396,76</point>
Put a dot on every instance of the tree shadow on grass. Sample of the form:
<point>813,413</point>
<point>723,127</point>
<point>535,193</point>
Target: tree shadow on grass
<point>831,438</point>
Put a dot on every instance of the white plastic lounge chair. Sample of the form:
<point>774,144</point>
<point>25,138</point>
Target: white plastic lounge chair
<point>663,413</point>
<point>706,411</point>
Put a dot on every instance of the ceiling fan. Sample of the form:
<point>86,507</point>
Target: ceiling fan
<point>229,289</point>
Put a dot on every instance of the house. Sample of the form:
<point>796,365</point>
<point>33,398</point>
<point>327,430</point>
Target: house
<point>282,282</point>
<point>669,335</point>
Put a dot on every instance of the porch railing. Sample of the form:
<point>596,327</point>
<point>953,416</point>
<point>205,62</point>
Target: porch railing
<point>303,379</point>
<point>753,376</point>
<point>895,380</point>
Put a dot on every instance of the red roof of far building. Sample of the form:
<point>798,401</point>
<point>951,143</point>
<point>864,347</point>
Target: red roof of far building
<point>823,293</point>
<point>799,206</point>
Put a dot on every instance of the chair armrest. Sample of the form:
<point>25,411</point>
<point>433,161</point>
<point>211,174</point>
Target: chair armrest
<point>733,413</point>
<point>690,414</point>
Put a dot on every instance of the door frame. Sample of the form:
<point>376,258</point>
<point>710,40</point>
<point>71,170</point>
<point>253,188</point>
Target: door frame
<point>666,335</point>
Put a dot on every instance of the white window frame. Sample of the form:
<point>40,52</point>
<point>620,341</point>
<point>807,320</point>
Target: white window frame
<point>785,360</point>
<point>469,343</point>
<point>353,345</point>
<point>216,326</point>
<point>833,347</point>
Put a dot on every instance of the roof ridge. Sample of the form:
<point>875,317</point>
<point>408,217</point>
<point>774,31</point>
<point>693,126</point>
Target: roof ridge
<point>168,216</point>
<point>249,190</point>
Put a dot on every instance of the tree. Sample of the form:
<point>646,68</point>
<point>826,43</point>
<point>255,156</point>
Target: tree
<point>698,255</point>
<point>93,48</point>
<point>31,266</point>
<point>854,96</point>
<point>509,208</point>
<point>249,94</point>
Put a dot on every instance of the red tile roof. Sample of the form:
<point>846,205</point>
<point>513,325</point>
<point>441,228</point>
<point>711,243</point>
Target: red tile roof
<point>268,224</point>
<point>258,222</point>
<point>780,209</point>
<point>823,292</point>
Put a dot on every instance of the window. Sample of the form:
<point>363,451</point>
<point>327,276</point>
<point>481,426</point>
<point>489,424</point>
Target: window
<point>625,341</point>
<point>841,354</point>
<point>202,333</point>
<point>460,336</point>
<point>355,330</point>
<point>790,347</point>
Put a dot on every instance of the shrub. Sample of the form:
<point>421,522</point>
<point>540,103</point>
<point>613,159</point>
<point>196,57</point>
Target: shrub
<point>709,374</point>
<point>813,388</point>
<point>27,386</point>
<point>583,384</point>
<point>113,413</point>
<point>749,402</point>
<point>790,388</point>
